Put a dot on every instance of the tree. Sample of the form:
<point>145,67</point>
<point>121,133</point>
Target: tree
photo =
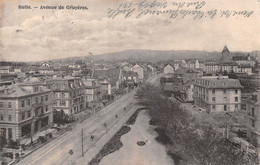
<point>191,141</point>
<point>2,142</point>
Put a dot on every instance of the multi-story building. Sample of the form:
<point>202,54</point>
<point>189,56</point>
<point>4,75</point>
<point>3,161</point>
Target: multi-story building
<point>253,117</point>
<point>113,76</point>
<point>105,87</point>
<point>130,77</point>
<point>25,108</point>
<point>168,69</point>
<point>217,93</point>
<point>215,67</point>
<point>244,60</point>
<point>92,90</point>
<point>139,70</point>
<point>193,63</point>
<point>245,69</point>
<point>68,95</point>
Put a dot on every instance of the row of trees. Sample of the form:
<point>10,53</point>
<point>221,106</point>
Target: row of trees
<point>192,142</point>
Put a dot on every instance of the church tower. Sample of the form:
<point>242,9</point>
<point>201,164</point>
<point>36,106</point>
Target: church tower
<point>225,53</point>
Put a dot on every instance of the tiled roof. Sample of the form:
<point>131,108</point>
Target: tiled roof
<point>218,82</point>
<point>111,74</point>
<point>129,73</point>
<point>31,80</point>
<point>16,90</point>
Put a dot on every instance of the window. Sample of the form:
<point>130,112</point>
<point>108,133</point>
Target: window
<point>41,110</point>
<point>62,95</point>
<point>36,100</point>
<point>23,116</point>
<point>1,105</point>
<point>46,98</point>
<point>236,99</point>
<point>9,105</point>
<point>55,102</point>
<point>225,107</point>
<point>213,91</point>
<point>46,109</point>
<point>213,99</point>
<point>29,101</point>
<point>29,114</point>
<point>236,91</point>
<point>224,91</point>
<point>253,123</point>
<point>253,111</point>
<point>10,117</point>
<point>42,98</point>
<point>23,104</point>
<point>214,107</point>
<point>36,89</point>
<point>236,106</point>
<point>63,103</point>
<point>1,117</point>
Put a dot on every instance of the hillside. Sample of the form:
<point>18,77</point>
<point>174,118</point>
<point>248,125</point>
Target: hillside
<point>155,55</point>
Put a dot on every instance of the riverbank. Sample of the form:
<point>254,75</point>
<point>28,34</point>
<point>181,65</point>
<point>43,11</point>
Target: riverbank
<point>150,152</point>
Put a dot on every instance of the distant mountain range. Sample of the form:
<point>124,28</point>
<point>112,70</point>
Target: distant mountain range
<point>158,55</point>
<point>151,56</point>
<point>155,55</point>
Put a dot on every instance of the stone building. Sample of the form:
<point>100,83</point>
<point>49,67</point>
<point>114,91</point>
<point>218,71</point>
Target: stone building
<point>25,108</point>
<point>217,94</point>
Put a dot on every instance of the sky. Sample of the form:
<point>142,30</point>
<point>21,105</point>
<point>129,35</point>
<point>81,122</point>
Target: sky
<point>35,35</point>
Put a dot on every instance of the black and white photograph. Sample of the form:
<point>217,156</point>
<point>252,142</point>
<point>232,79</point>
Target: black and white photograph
<point>129,82</point>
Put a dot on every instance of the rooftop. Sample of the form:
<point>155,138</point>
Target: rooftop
<point>218,82</point>
<point>17,90</point>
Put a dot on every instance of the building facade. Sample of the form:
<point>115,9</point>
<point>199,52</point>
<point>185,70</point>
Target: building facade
<point>217,94</point>
<point>25,109</point>
<point>168,69</point>
<point>92,90</point>
<point>68,95</point>
<point>139,70</point>
<point>253,117</point>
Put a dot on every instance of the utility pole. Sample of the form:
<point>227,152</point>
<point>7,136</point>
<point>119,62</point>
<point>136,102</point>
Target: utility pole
<point>82,149</point>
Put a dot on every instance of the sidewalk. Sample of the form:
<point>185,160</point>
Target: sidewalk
<point>92,152</point>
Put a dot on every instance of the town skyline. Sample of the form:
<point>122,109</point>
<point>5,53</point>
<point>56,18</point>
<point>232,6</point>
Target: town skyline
<point>118,55</point>
<point>46,34</point>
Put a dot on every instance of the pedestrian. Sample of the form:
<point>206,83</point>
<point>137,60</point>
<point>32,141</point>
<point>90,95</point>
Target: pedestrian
<point>92,137</point>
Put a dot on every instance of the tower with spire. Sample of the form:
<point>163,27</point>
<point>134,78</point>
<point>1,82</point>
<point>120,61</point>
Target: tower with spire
<point>225,53</point>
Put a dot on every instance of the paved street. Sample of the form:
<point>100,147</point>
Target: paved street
<point>56,152</point>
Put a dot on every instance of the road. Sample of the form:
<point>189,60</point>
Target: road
<point>56,151</point>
